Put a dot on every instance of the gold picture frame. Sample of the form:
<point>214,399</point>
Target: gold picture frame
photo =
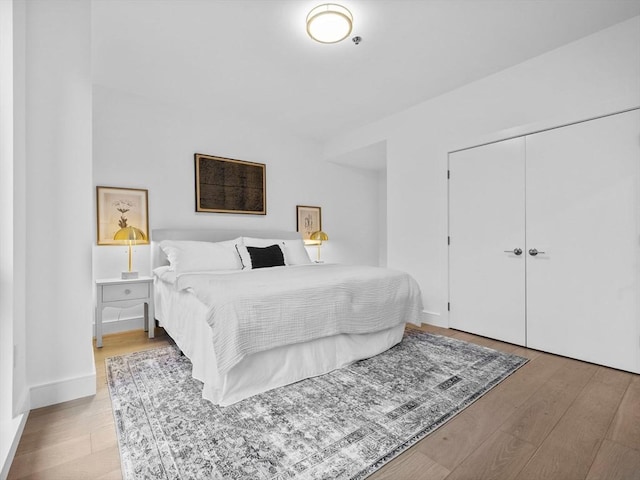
<point>119,208</point>
<point>226,185</point>
<point>308,220</point>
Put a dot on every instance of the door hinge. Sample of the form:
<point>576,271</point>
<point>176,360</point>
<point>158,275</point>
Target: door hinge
<point>448,306</point>
<point>448,240</point>
<point>448,174</point>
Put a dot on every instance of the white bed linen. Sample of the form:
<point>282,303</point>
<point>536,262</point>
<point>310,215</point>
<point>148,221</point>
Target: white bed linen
<point>258,310</point>
<point>184,318</point>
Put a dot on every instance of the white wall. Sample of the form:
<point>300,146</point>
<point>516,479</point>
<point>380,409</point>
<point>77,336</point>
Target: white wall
<point>593,76</point>
<point>142,144</point>
<point>58,201</point>
<point>13,378</point>
<point>382,217</point>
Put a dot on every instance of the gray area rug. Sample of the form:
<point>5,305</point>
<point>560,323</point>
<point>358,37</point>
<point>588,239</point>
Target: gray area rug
<point>343,425</point>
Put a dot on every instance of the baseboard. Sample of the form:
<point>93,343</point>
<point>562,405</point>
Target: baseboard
<point>23,404</point>
<point>10,435</point>
<point>63,391</point>
<point>435,319</point>
<point>120,325</point>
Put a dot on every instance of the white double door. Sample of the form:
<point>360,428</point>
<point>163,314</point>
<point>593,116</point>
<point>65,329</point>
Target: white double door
<point>572,195</point>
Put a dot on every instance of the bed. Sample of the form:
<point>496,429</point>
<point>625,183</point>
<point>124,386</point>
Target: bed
<point>248,329</point>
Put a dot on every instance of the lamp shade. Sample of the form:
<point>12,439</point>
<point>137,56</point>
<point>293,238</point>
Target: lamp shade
<point>130,235</point>
<point>319,236</point>
<point>329,23</point>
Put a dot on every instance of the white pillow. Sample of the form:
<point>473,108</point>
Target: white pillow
<point>293,250</point>
<point>295,253</point>
<point>191,256</point>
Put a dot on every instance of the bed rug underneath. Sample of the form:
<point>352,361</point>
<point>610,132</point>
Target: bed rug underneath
<point>342,425</point>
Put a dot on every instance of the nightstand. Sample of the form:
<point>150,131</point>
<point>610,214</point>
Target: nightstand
<point>120,293</point>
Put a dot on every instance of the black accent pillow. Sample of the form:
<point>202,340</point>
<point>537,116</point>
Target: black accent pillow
<point>262,257</point>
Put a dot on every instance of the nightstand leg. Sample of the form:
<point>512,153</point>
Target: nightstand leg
<point>146,317</point>
<point>149,314</point>
<point>99,327</point>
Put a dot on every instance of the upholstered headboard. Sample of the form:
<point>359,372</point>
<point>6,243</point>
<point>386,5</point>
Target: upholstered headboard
<point>158,258</point>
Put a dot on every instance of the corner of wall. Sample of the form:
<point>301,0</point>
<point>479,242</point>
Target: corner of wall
<point>10,435</point>
<point>435,319</point>
<point>62,391</point>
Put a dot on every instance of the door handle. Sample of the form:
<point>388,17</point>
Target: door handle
<point>517,251</point>
<point>533,252</point>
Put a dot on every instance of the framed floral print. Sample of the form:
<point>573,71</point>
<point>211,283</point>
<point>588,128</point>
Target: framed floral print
<point>120,208</point>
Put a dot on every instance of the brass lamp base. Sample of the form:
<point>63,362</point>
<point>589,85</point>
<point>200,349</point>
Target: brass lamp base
<point>129,275</point>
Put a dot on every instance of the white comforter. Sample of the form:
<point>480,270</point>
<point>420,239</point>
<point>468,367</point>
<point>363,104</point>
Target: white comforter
<point>257,310</point>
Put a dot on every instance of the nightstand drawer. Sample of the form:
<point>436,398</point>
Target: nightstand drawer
<point>113,293</point>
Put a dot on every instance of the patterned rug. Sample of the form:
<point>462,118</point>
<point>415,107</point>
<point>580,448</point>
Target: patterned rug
<point>343,425</point>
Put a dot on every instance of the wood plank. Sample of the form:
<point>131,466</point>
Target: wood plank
<point>70,419</point>
<point>541,412</point>
<point>525,352</point>
<point>571,447</point>
<point>115,474</point>
<point>104,437</point>
<point>615,462</point>
<point>46,436</point>
<point>86,467</point>
<point>501,457</point>
<point>54,425</point>
<point>50,456</point>
<point>411,465</point>
<point>454,441</point>
<point>517,388</point>
<point>78,403</point>
<point>625,428</point>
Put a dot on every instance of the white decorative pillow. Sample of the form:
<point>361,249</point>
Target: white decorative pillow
<point>293,250</point>
<point>191,256</point>
<point>295,253</point>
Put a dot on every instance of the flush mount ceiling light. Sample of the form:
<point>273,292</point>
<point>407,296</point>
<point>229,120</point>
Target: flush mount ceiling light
<point>329,23</point>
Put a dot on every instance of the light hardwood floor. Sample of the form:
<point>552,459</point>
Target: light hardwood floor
<point>555,418</point>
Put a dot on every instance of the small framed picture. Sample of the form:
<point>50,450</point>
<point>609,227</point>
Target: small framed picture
<point>121,208</point>
<point>309,220</point>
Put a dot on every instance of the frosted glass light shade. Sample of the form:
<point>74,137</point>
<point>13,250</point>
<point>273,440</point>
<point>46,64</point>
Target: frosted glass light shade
<point>329,23</point>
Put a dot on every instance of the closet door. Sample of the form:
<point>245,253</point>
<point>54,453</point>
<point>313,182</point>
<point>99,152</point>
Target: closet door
<point>486,227</point>
<point>583,212</point>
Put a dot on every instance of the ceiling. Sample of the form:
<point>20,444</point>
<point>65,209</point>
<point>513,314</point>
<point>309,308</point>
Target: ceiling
<point>253,60</point>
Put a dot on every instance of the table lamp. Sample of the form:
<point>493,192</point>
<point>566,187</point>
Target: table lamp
<point>319,237</point>
<point>131,236</point>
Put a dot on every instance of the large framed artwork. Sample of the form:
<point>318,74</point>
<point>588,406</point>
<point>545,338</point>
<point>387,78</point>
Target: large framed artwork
<point>225,185</point>
<point>122,208</point>
<point>309,220</point>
